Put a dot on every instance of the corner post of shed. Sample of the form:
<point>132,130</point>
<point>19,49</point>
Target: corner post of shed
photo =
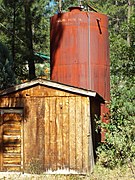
<point>91,160</point>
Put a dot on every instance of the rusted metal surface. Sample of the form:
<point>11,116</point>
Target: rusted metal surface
<point>80,50</point>
<point>54,129</point>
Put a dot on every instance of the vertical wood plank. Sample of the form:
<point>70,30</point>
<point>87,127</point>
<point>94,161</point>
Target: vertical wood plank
<point>27,130</point>
<point>65,132</point>
<point>59,125</point>
<point>78,134</point>
<point>1,144</point>
<point>39,104</point>
<point>85,119</point>
<point>32,123</point>
<point>22,142</point>
<point>31,131</point>
<point>72,133</point>
<point>47,133</point>
<point>91,154</point>
<point>53,147</point>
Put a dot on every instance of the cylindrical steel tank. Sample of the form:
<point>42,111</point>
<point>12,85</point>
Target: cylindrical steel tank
<point>80,50</point>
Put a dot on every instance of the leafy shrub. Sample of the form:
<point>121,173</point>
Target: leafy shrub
<point>35,167</point>
<point>119,146</point>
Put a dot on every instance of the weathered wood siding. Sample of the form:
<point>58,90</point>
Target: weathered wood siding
<point>11,140</point>
<point>56,128</point>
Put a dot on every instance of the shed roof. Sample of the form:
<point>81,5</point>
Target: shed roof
<point>51,84</point>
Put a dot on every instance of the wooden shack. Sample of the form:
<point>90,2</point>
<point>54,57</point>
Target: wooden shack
<point>48,125</point>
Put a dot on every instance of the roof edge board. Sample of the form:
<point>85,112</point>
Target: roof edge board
<point>69,88</point>
<point>52,84</point>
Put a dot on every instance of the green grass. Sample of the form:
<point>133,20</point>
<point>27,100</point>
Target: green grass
<point>126,172</point>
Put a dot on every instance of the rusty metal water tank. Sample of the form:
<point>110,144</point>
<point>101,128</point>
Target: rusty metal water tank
<point>80,50</point>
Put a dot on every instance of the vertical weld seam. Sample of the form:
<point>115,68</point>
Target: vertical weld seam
<point>89,73</point>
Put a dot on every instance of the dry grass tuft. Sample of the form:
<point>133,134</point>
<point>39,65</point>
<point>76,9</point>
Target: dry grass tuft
<point>100,173</point>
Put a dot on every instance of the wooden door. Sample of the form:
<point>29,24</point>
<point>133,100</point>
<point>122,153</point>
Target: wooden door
<point>11,140</point>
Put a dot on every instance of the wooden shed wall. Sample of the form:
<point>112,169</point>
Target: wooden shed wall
<point>56,128</point>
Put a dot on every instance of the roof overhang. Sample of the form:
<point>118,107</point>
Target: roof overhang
<point>52,84</point>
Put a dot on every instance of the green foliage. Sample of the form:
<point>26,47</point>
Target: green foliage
<point>13,33</point>
<point>41,12</point>
<point>43,70</point>
<point>7,76</point>
<point>119,146</point>
<point>68,3</point>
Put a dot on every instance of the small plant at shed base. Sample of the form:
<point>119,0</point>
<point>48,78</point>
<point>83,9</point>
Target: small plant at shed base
<point>35,167</point>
